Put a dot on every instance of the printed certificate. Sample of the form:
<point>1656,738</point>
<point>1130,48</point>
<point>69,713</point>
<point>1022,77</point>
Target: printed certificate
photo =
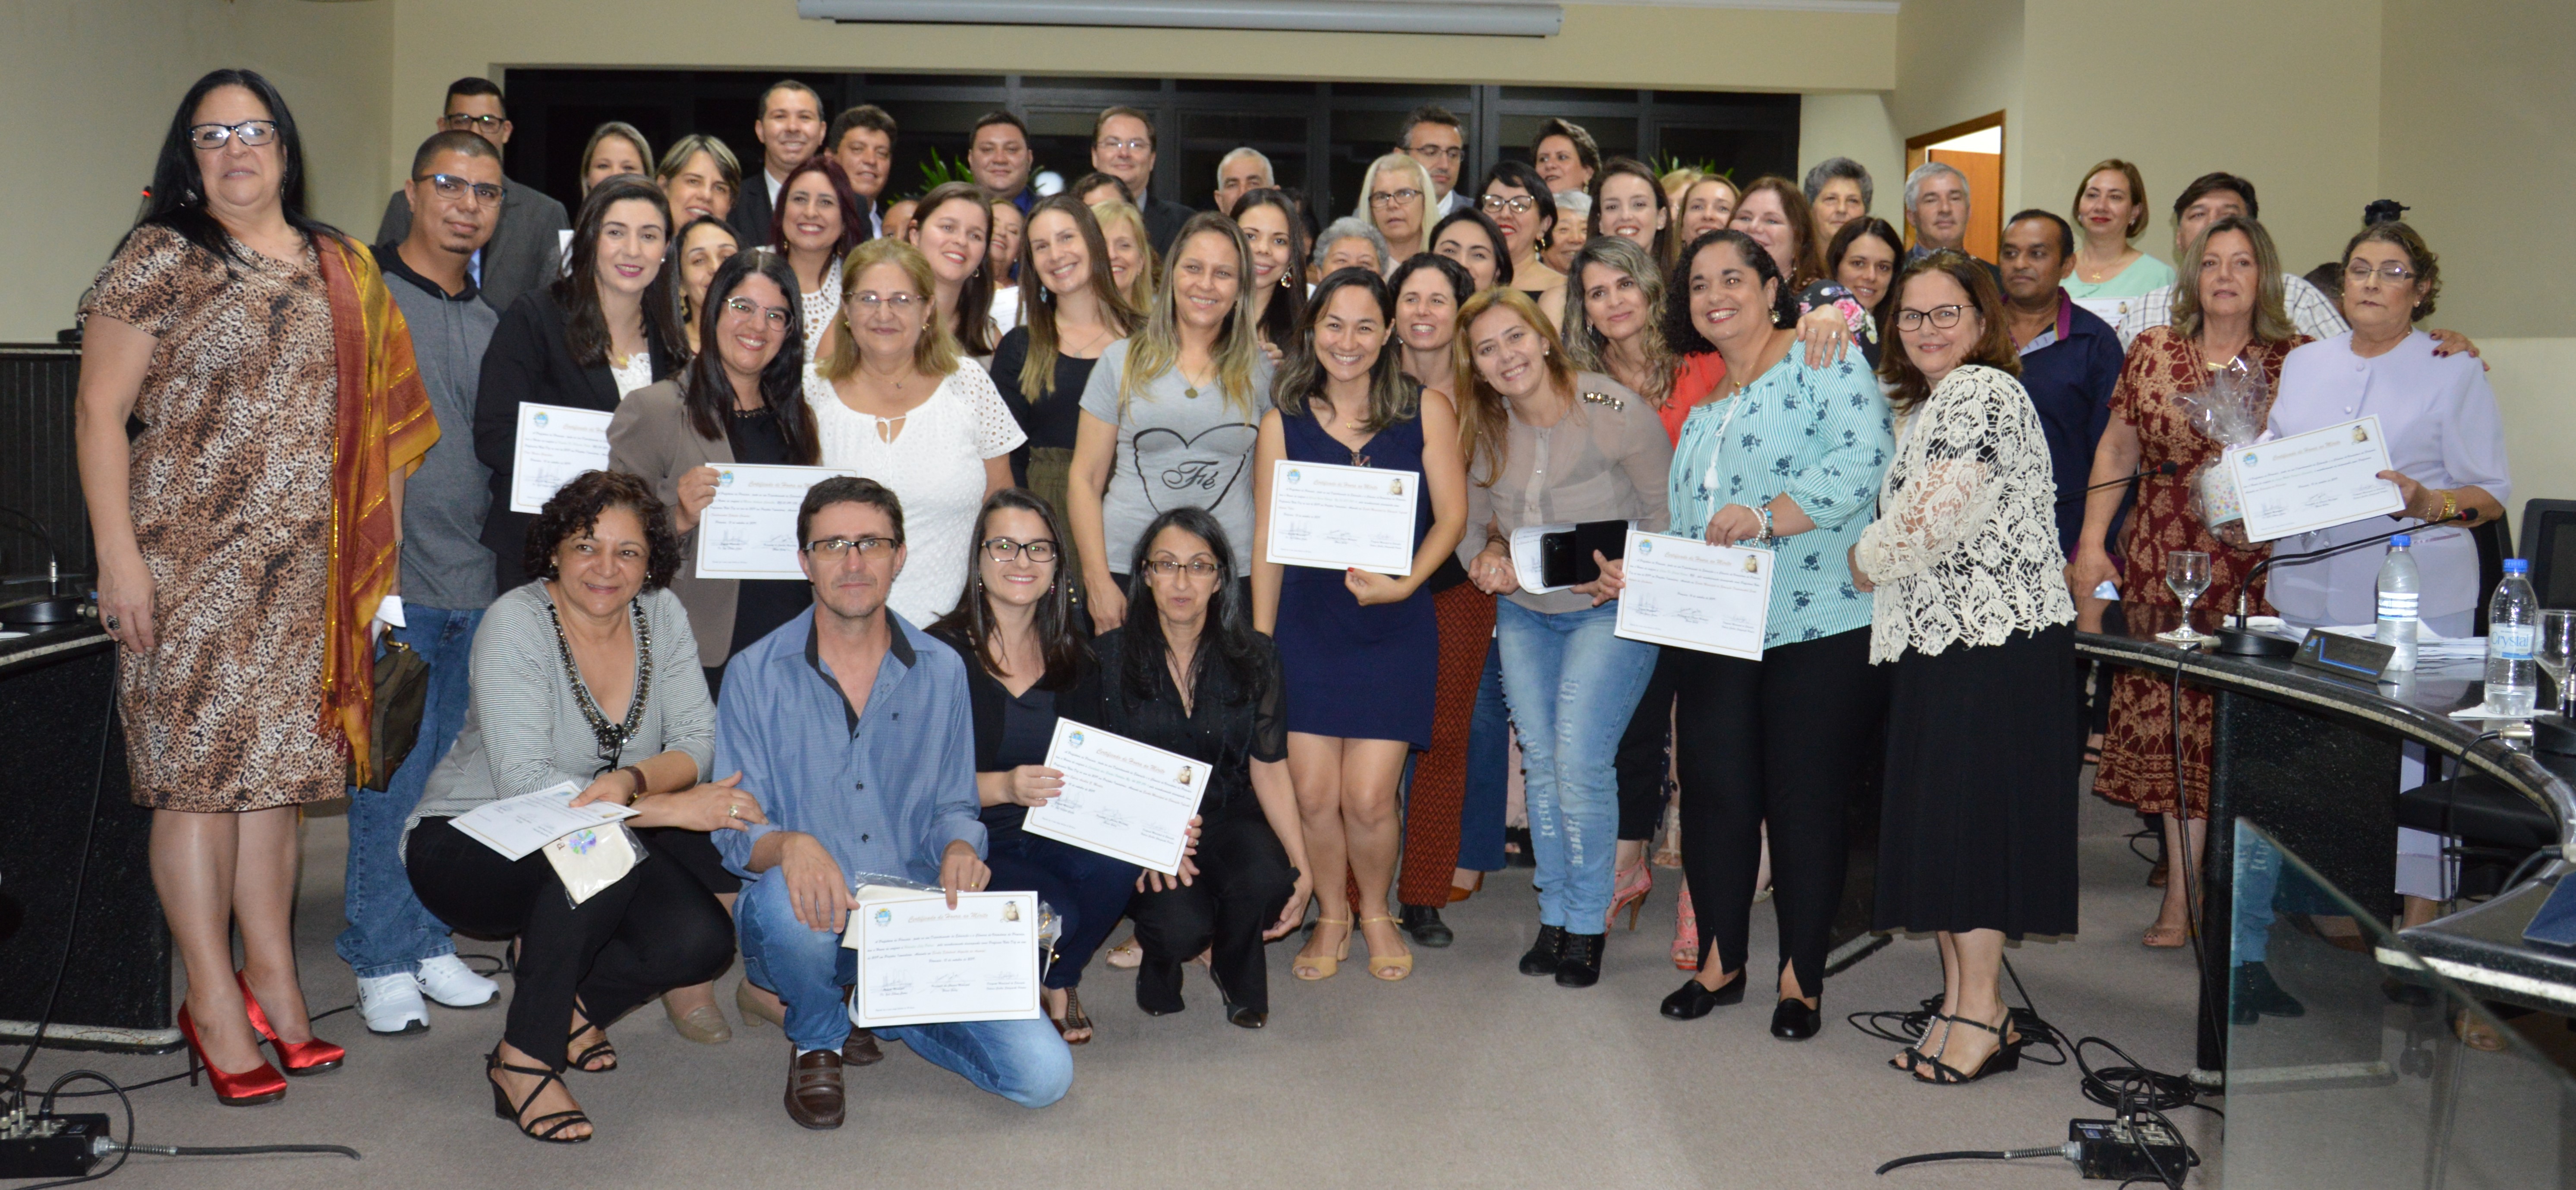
<point>1340,518</point>
<point>555,445</point>
<point>518,825</point>
<point>921,962</point>
<point>2317,480</point>
<point>749,530</point>
<point>1693,595</point>
<point>1123,799</point>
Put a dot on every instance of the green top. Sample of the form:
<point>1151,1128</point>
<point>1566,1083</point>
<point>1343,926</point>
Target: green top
<point>2144,275</point>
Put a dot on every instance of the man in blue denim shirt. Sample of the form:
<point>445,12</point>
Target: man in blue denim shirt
<point>852,728</point>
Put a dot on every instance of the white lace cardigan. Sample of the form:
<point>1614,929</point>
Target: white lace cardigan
<point>1965,545</point>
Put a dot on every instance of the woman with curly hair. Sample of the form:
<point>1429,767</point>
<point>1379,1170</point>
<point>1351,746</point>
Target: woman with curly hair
<point>587,676</point>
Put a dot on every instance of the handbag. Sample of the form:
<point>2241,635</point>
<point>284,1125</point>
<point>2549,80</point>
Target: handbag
<point>402,694</point>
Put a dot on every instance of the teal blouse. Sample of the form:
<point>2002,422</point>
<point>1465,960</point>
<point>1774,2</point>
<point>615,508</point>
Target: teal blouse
<point>1821,435</point>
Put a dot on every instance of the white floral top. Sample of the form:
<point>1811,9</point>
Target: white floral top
<point>1965,546</point>
<point>934,461</point>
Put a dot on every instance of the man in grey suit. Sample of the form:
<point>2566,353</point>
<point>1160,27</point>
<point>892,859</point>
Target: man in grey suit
<point>524,251</point>
<point>1122,146</point>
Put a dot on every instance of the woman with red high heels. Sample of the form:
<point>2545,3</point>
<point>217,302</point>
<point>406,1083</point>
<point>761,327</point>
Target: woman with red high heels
<point>262,501</point>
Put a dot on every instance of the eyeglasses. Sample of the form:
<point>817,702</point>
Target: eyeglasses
<point>1003,549</point>
<point>775,316</point>
<point>1399,198</point>
<point>872,301</point>
<point>253,134</point>
<point>451,187</point>
<point>1132,144</point>
<point>2392,272</point>
<point>1944,317</point>
<point>836,548</point>
<point>460,122</point>
<point>1519,206</point>
<point>1166,568</point>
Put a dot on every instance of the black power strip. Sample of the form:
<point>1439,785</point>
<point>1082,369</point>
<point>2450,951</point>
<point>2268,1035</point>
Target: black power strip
<point>45,1146</point>
<point>2119,1150</point>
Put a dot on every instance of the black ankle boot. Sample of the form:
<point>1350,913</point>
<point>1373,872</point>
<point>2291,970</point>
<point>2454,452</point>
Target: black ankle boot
<point>1580,965</point>
<point>1424,924</point>
<point>1544,953</point>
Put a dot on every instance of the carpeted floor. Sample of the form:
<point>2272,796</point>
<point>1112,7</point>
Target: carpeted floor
<point>1467,1074</point>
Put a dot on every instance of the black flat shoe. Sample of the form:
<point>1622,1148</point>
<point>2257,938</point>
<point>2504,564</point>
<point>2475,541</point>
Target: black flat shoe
<point>1580,964</point>
<point>1244,1017</point>
<point>2257,996</point>
<point>1794,1021</point>
<point>1690,1001</point>
<point>1423,924</point>
<point>1542,956</point>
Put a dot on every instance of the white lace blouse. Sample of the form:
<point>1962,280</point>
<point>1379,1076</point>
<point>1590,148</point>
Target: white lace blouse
<point>934,461</point>
<point>1965,546</point>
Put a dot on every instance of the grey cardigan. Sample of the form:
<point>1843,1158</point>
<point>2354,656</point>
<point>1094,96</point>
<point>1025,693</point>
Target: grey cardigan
<point>651,438</point>
<point>523,729</point>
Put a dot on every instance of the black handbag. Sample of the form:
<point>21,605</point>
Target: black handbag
<point>402,694</point>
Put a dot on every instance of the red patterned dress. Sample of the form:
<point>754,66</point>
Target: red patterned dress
<point>2138,752</point>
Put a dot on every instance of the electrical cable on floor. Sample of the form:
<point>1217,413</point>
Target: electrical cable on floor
<point>1976,1155</point>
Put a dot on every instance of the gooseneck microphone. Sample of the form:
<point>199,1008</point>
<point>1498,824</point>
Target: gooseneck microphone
<point>2164,468</point>
<point>2237,641</point>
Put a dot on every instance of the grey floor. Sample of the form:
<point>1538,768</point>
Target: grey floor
<point>1467,1074</point>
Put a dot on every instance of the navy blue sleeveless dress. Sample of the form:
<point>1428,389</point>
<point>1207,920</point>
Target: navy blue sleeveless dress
<point>1352,671</point>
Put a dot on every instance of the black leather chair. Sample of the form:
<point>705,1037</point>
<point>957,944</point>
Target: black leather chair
<point>2497,828</point>
<point>2549,540</point>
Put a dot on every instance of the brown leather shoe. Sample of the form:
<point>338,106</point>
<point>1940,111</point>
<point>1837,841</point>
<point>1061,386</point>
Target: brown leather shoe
<point>861,1049</point>
<point>814,1094</point>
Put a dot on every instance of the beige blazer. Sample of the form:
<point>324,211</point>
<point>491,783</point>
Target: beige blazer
<point>651,437</point>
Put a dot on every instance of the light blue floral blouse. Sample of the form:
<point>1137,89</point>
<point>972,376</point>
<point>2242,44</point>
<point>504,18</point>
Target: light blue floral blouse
<point>1821,435</point>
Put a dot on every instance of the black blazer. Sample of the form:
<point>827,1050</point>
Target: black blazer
<point>530,359</point>
<point>751,210</point>
<point>1163,220</point>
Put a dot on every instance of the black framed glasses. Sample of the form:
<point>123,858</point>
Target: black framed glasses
<point>836,548</point>
<point>451,187</point>
<point>460,122</point>
<point>775,316</point>
<point>1943,317</point>
<point>1003,549</point>
<point>253,134</point>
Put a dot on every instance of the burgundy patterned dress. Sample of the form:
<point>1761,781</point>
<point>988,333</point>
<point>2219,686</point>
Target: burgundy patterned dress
<point>2138,752</point>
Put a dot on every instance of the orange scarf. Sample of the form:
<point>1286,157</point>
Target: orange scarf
<point>384,422</point>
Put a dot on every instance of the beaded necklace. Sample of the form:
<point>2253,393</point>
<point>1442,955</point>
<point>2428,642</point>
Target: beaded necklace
<point>612,737</point>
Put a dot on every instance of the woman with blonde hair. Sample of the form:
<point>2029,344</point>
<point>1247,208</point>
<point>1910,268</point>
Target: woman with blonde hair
<point>1072,315</point>
<point>615,148</point>
<point>895,400</point>
<point>1135,269</point>
<point>1546,444</point>
<point>1708,205</point>
<point>2110,211</point>
<point>1172,412</point>
<point>1395,197</point>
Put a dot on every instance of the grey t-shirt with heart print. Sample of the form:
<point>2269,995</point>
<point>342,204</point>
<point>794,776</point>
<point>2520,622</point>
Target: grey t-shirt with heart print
<point>1176,450</point>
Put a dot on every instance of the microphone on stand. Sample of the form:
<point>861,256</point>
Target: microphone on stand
<point>51,609</point>
<point>2166,468</point>
<point>2238,641</point>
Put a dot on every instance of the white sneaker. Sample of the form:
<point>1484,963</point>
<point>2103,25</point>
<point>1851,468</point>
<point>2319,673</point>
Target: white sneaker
<point>391,1005</point>
<point>450,982</point>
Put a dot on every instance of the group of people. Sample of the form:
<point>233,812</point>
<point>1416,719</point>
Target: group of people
<point>1060,510</point>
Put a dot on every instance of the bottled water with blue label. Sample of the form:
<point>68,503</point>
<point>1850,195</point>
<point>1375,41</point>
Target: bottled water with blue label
<point>2513,629</point>
<point>2400,590</point>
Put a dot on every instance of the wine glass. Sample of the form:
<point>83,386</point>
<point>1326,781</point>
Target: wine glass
<point>2557,643</point>
<point>2187,574</point>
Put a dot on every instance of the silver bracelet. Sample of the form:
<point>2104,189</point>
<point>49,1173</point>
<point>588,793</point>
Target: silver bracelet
<point>1764,512</point>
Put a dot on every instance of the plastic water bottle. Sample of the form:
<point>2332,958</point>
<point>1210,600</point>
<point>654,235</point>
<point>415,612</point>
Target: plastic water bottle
<point>2513,628</point>
<point>2400,589</point>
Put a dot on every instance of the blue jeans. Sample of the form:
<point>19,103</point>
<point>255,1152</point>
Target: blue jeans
<point>1572,685</point>
<point>389,932</point>
<point>1489,775</point>
<point>1022,1061</point>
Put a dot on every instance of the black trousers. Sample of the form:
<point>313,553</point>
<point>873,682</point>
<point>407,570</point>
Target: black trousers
<point>1244,881</point>
<point>655,930</point>
<point>1641,761</point>
<point>1785,739</point>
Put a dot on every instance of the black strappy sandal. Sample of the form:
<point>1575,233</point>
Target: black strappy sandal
<point>560,1120</point>
<point>602,1049</point>
<point>1912,1056</point>
<point>2007,1056</point>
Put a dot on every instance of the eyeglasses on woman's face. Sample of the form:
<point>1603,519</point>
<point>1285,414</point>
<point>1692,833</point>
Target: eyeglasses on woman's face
<point>1198,568</point>
<point>1519,204</point>
<point>775,316</point>
<point>1943,317</point>
<point>899,302</point>
<point>1393,199</point>
<point>2359,272</point>
<point>1003,549</point>
<point>253,133</point>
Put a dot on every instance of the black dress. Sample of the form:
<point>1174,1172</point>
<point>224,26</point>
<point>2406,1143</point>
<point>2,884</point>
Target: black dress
<point>1244,875</point>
